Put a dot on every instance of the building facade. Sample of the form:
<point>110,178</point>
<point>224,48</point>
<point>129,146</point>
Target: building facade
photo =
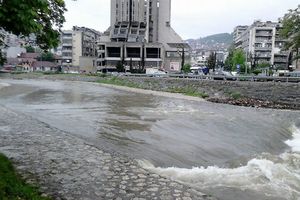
<point>140,35</point>
<point>262,44</point>
<point>79,47</point>
<point>14,45</point>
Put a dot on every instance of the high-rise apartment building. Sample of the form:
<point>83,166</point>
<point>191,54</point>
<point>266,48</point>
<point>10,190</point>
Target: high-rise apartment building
<point>238,31</point>
<point>79,46</point>
<point>140,34</point>
<point>262,44</point>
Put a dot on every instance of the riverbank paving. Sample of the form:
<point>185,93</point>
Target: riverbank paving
<point>66,167</point>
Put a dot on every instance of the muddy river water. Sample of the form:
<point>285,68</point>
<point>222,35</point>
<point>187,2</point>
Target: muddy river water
<point>229,152</point>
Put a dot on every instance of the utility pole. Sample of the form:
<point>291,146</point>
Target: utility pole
<point>143,56</point>
<point>182,58</point>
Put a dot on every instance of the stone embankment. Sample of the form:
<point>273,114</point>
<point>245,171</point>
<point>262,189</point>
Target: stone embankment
<point>254,94</point>
<point>66,167</point>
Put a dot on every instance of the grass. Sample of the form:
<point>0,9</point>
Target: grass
<point>120,82</point>
<point>12,187</point>
<point>236,95</point>
<point>189,91</point>
<point>233,94</point>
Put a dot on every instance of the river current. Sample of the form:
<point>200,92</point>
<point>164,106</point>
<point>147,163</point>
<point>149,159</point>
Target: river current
<point>226,151</point>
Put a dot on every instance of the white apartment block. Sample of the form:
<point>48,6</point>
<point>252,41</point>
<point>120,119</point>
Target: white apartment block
<point>79,47</point>
<point>262,44</point>
<point>140,34</point>
<point>238,31</point>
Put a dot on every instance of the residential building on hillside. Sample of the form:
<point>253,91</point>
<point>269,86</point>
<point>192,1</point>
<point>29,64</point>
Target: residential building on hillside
<point>262,44</point>
<point>140,35</point>
<point>238,32</point>
<point>200,57</point>
<point>15,45</point>
<point>79,48</point>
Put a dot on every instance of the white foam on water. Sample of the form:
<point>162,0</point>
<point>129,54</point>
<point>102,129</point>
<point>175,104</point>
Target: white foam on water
<point>4,85</point>
<point>5,128</point>
<point>278,177</point>
<point>295,142</point>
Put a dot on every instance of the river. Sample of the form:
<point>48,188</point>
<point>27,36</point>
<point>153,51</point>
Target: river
<point>226,151</point>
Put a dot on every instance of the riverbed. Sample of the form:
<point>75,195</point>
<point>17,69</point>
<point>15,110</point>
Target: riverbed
<point>229,152</point>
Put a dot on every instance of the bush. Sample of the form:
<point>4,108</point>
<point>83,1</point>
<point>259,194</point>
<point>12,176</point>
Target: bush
<point>257,71</point>
<point>186,68</point>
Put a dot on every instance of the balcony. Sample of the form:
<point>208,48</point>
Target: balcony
<point>280,60</point>
<point>282,54</point>
<point>65,37</point>
<point>67,44</point>
<point>112,59</point>
<point>66,50</point>
<point>267,55</point>
<point>264,34</point>
<point>100,59</point>
<point>263,48</point>
<point>132,59</point>
<point>263,41</point>
<point>153,59</point>
<point>67,59</point>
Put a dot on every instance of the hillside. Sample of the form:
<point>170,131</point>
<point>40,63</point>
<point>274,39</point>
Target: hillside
<point>212,42</point>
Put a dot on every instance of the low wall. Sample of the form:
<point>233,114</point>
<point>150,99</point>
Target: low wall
<point>281,93</point>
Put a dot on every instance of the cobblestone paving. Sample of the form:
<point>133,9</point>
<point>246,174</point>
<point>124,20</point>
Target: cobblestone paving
<point>67,168</point>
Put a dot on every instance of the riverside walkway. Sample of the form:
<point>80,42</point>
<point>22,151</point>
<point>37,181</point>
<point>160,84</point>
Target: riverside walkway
<point>67,167</point>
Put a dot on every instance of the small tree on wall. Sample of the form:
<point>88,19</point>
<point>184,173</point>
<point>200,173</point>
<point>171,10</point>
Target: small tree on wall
<point>120,67</point>
<point>212,61</point>
<point>186,68</point>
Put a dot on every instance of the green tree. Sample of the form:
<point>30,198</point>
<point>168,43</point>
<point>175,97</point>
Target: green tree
<point>2,59</point>
<point>229,62</point>
<point>238,58</point>
<point>291,31</point>
<point>186,68</point>
<point>48,56</point>
<point>263,65</point>
<point>30,49</point>
<point>120,67</point>
<point>211,62</point>
<point>44,18</point>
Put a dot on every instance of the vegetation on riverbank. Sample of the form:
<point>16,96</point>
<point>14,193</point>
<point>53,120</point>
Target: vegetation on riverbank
<point>117,81</point>
<point>12,187</point>
<point>189,91</point>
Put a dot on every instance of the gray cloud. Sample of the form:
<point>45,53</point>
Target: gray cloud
<point>190,18</point>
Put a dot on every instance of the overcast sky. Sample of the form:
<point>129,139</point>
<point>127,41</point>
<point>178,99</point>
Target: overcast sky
<point>190,18</point>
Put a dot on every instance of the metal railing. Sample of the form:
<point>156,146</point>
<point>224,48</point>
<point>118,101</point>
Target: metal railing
<point>220,77</point>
